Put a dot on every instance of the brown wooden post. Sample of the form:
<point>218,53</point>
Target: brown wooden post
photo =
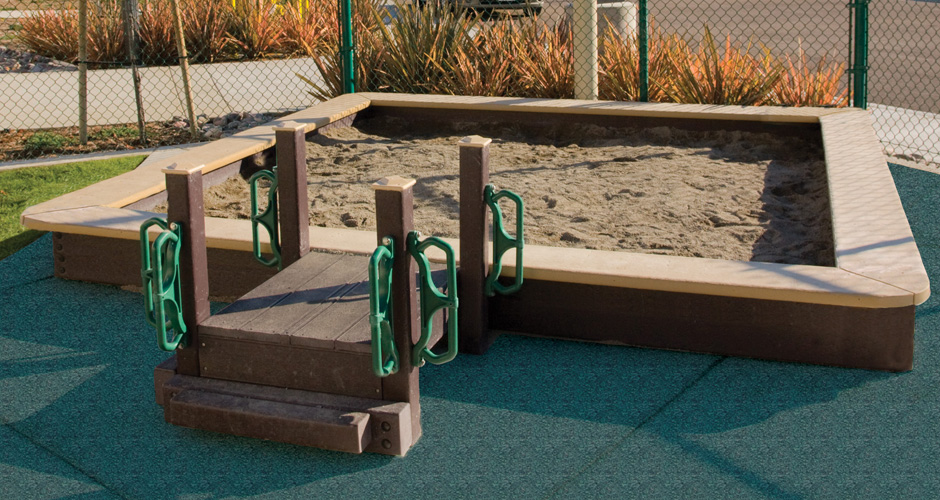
<point>184,206</point>
<point>292,200</point>
<point>475,336</point>
<point>394,208</point>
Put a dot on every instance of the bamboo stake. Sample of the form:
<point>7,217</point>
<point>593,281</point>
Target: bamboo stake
<point>184,66</point>
<point>83,71</point>
<point>131,14</point>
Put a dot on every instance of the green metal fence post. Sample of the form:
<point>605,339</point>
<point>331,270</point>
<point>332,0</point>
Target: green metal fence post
<point>644,49</point>
<point>860,64</point>
<point>347,50</point>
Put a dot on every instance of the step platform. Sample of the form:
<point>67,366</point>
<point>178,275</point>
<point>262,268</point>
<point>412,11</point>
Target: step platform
<point>306,418</point>
<point>291,361</point>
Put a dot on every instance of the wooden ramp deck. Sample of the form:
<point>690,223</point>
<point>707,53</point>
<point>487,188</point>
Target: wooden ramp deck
<point>321,301</point>
<point>291,361</point>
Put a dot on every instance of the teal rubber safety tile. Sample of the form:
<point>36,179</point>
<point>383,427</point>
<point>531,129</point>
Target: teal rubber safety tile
<point>752,429</point>
<point>514,421</point>
<point>531,418</point>
<point>34,262</point>
<point>755,429</point>
<point>29,471</point>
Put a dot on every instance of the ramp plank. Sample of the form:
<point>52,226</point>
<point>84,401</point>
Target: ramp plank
<point>258,300</point>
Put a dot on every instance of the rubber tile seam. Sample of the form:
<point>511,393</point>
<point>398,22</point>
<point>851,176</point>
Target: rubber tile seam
<point>64,459</point>
<point>7,287</point>
<point>610,449</point>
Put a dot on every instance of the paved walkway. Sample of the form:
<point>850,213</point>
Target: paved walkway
<point>153,154</point>
<point>531,419</point>
<point>912,135</point>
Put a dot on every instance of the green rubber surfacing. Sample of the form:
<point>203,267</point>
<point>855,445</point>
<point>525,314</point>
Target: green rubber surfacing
<point>531,418</point>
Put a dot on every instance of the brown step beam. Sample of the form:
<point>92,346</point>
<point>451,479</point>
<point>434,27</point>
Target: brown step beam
<point>275,421</point>
<point>389,422</point>
<point>286,365</point>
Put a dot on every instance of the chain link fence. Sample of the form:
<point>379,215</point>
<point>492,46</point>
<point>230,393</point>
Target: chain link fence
<point>243,60</point>
<point>250,59</point>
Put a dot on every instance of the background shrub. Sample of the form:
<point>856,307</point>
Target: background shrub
<point>44,142</point>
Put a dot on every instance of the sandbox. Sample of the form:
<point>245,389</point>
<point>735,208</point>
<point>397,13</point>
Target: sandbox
<point>856,311</point>
<point>662,190</point>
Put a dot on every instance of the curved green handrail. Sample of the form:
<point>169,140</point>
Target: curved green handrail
<point>384,353</point>
<point>502,242</point>
<point>267,219</point>
<point>160,273</point>
<point>432,300</point>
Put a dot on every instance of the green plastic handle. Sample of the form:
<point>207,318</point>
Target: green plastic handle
<point>502,242</point>
<point>160,273</point>
<point>432,300</point>
<point>267,219</point>
<point>384,353</point>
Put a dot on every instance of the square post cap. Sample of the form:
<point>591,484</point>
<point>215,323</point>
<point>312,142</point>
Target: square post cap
<point>474,141</point>
<point>183,168</point>
<point>393,183</point>
<point>289,126</point>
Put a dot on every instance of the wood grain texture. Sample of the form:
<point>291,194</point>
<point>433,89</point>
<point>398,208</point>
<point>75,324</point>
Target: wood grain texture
<point>395,218</point>
<point>290,366</point>
<point>475,336</point>
<point>184,206</point>
<point>293,203</point>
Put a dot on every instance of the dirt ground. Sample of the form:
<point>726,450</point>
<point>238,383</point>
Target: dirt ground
<point>724,195</point>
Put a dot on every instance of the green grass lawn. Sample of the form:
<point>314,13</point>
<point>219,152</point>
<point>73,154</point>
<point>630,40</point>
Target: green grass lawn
<point>28,186</point>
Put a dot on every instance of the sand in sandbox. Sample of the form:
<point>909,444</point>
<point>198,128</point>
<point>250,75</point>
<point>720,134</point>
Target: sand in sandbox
<point>724,195</point>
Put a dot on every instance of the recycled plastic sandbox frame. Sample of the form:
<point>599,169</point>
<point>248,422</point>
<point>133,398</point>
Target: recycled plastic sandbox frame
<point>859,313</point>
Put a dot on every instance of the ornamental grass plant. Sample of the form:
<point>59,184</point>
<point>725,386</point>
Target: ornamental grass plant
<point>730,76</point>
<point>544,61</point>
<point>483,67</point>
<point>256,28</point>
<point>418,44</point>
<point>156,34</point>
<point>434,49</point>
<point>805,84</point>
<point>619,61</point>
<point>369,50</point>
<point>106,40</point>
<point>205,27</point>
<point>52,33</point>
<point>308,27</point>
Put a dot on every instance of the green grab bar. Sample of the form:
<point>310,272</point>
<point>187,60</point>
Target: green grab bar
<point>267,219</point>
<point>502,242</point>
<point>160,273</point>
<point>432,300</point>
<point>384,353</point>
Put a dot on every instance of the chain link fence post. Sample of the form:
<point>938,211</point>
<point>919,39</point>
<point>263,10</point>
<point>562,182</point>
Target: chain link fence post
<point>859,67</point>
<point>347,49</point>
<point>643,33</point>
